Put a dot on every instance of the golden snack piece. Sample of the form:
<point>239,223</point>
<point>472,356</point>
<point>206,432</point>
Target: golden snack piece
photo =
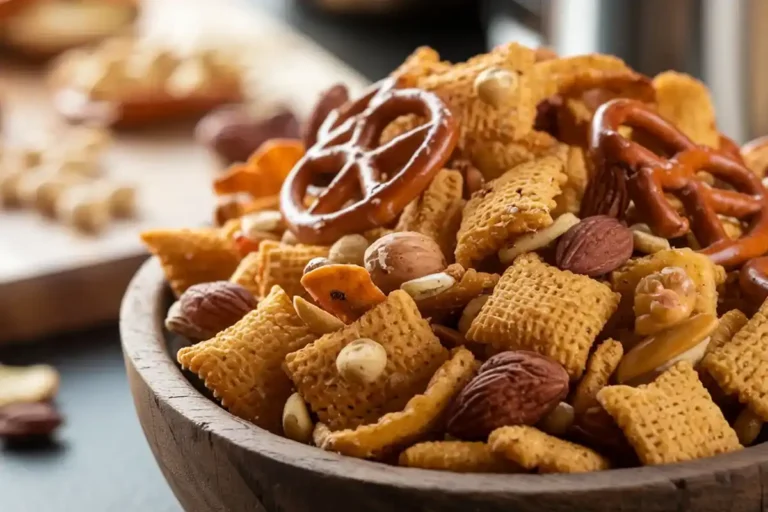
<point>538,239</point>
<point>242,365</point>
<point>192,256</point>
<point>436,213</point>
<point>419,417</point>
<point>493,158</point>
<point>663,299</point>
<point>727,327</point>
<point>319,321</point>
<point>457,456</point>
<point>673,419</point>
<point>685,341</point>
<point>739,366</point>
<point>553,312</point>
<point>534,450</point>
<point>297,424</point>
<point>283,265</point>
<point>24,384</point>
<point>600,367</point>
<point>346,291</point>
<point>747,426</point>
<point>704,274</point>
<point>413,355</point>
<point>518,202</point>
<point>646,242</point>
<point>686,102</point>
<point>247,272</point>
<point>469,285</point>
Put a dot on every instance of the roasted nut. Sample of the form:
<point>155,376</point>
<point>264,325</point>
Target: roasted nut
<point>687,340</point>
<point>177,323</point>
<point>349,249</point>
<point>84,208</point>
<point>747,426</point>
<point>428,286</point>
<point>260,222</point>
<point>316,263</point>
<point>495,85</point>
<point>542,238</point>
<point>289,238</point>
<point>471,310</point>
<point>646,242</point>
<point>399,257</point>
<point>28,420</point>
<point>511,388</point>
<point>297,424</point>
<point>595,246</point>
<point>212,307</point>
<point>597,429</point>
<point>318,320</point>
<point>27,383</point>
<point>363,360</point>
<point>559,420</point>
<point>663,299</point>
<point>234,134</point>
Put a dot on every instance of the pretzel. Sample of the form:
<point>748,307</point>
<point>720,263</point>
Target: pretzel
<point>647,176</point>
<point>389,176</point>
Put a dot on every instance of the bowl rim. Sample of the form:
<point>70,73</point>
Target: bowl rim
<point>143,341</point>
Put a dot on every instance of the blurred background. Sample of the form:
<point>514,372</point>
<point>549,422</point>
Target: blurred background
<point>99,460</point>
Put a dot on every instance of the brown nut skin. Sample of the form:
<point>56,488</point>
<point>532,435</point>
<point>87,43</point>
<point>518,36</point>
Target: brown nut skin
<point>212,307</point>
<point>399,257</point>
<point>516,387</point>
<point>28,420</point>
<point>316,263</point>
<point>595,246</point>
<point>233,133</point>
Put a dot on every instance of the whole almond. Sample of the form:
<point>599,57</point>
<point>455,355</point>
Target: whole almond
<point>595,246</point>
<point>511,388</point>
<point>212,307</point>
<point>329,100</point>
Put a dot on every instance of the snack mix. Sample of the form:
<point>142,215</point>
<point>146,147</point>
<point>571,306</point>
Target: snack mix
<point>519,263</point>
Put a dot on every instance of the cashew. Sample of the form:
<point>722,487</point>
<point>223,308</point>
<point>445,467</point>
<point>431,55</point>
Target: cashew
<point>349,249</point>
<point>318,320</point>
<point>27,384</point>
<point>558,421</point>
<point>428,286</point>
<point>263,221</point>
<point>646,242</point>
<point>363,360</point>
<point>471,310</point>
<point>747,426</point>
<point>495,85</point>
<point>297,424</point>
<point>539,239</point>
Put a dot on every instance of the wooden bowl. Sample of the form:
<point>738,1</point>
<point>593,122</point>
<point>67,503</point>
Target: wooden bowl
<point>215,461</point>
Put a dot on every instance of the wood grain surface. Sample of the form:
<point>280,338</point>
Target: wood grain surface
<point>215,461</point>
<point>44,264</point>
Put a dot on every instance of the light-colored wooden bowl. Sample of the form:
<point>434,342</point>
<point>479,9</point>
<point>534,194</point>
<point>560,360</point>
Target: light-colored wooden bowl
<point>215,461</point>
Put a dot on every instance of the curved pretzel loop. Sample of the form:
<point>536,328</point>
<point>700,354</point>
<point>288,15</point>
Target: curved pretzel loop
<point>649,176</point>
<point>370,184</point>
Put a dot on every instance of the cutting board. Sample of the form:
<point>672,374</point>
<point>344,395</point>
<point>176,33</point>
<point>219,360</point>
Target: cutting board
<point>53,279</point>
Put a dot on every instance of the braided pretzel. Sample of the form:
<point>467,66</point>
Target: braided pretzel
<point>648,176</point>
<point>380,181</point>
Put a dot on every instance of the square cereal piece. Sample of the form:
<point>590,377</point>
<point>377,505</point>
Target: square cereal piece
<point>533,449</point>
<point>192,256</point>
<point>436,213</point>
<point>283,265</point>
<point>673,419</point>
<point>704,274</point>
<point>740,366</point>
<point>539,307</point>
<point>413,355</point>
<point>420,417</point>
<point>518,202</point>
<point>242,365</point>
<point>247,272</point>
<point>602,363</point>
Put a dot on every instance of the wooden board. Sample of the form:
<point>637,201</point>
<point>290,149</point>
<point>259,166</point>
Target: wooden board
<point>52,279</point>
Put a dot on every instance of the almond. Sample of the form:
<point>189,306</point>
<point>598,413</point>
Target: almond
<point>511,388</point>
<point>595,246</point>
<point>212,307</point>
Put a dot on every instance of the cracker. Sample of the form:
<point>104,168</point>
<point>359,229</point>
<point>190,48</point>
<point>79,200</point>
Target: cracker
<point>242,365</point>
<point>673,419</point>
<point>436,213</point>
<point>704,274</point>
<point>283,265</point>
<point>740,366</point>
<point>730,323</point>
<point>687,103</point>
<point>601,365</point>
<point>457,456</point>
<point>518,202</point>
<point>469,284</point>
<point>413,355</point>
<point>192,256</point>
<point>534,450</point>
<point>553,312</point>
<point>421,415</point>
